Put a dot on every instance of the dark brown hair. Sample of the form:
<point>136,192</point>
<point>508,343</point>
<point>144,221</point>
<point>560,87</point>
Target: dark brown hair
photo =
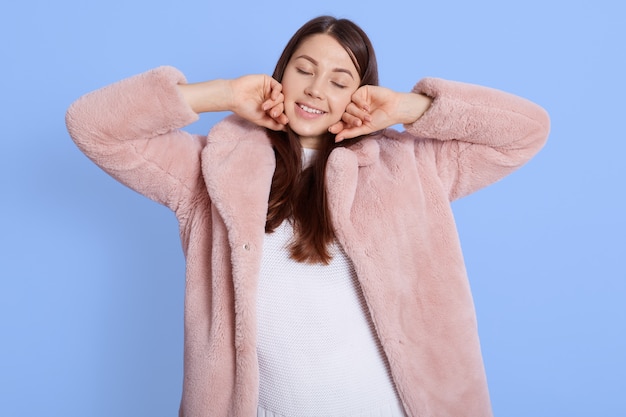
<point>298,194</point>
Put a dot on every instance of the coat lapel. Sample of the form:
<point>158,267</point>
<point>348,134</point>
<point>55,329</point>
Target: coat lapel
<point>238,163</point>
<point>342,176</point>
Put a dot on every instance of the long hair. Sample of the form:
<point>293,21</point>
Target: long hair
<point>300,195</point>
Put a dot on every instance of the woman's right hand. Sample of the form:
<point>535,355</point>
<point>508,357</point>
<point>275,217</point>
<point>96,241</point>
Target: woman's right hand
<point>259,99</point>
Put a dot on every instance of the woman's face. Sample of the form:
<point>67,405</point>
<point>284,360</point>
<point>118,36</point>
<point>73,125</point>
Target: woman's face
<point>318,84</point>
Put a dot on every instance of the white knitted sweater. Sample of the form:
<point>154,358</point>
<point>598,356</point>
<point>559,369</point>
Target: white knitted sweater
<point>318,350</point>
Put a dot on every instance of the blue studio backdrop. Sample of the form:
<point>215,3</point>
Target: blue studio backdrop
<point>92,274</point>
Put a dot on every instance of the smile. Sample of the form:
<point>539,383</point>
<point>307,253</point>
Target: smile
<point>310,109</point>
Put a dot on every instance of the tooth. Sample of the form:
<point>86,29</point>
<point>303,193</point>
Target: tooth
<point>310,110</point>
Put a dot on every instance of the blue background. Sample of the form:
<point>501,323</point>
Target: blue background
<point>91,289</point>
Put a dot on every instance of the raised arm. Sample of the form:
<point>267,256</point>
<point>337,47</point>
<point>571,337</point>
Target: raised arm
<point>477,134</point>
<point>257,98</point>
<point>375,108</point>
<point>132,128</point>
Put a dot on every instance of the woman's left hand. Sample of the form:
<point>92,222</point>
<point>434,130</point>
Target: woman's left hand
<point>374,108</point>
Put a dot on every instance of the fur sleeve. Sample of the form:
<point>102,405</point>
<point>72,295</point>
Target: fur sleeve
<point>131,130</point>
<point>479,134</point>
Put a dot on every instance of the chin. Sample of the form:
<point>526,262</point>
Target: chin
<point>304,132</point>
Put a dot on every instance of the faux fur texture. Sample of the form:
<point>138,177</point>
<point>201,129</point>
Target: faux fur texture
<point>390,199</point>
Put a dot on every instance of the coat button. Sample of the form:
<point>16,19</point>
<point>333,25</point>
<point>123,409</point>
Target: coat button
<point>246,246</point>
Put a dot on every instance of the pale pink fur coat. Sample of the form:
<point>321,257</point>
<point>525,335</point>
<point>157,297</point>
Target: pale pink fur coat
<point>390,200</point>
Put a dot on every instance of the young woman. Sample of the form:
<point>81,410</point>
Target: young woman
<point>324,272</point>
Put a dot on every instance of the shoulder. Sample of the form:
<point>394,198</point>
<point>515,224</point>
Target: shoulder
<point>236,128</point>
<point>236,139</point>
<point>387,147</point>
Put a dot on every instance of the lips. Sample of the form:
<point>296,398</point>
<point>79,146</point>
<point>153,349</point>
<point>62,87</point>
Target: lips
<point>308,112</point>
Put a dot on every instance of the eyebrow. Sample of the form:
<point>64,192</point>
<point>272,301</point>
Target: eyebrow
<point>314,62</point>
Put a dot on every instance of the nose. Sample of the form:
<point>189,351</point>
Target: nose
<point>314,89</point>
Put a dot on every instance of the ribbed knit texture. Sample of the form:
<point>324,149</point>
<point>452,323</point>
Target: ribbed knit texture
<point>318,350</point>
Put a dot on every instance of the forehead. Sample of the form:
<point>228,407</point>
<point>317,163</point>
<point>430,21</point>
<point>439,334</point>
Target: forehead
<point>325,50</point>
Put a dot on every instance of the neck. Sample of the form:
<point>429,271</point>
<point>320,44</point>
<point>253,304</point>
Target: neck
<point>311,143</point>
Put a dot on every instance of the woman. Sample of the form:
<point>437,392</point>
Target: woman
<point>324,272</point>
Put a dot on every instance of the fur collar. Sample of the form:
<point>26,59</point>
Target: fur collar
<point>238,164</point>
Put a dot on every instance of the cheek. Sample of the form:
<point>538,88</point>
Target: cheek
<point>287,85</point>
<point>341,103</point>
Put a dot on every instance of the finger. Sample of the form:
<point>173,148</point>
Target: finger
<point>277,113</point>
<point>276,89</point>
<point>351,133</point>
<point>351,120</point>
<point>276,110</point>
<point>280,117</point>
<point>355,110</point>
<point>273,102</point>
<point>362,98</point>
<point>272,124</point>
<point>337,127</point>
